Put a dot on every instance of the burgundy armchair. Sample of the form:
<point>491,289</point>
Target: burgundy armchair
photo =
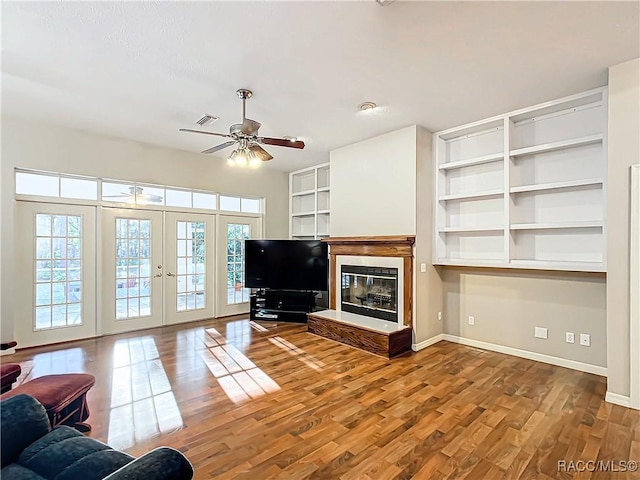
<point>9,372</point>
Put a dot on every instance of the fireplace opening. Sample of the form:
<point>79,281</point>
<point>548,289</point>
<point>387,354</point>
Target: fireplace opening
<point>370,291</point>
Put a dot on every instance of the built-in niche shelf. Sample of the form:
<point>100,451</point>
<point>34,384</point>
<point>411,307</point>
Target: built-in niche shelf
<point>309,203</point>
<point>525,189</point>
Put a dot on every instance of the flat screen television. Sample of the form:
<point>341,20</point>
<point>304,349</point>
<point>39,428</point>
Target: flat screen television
<point>286,264</point>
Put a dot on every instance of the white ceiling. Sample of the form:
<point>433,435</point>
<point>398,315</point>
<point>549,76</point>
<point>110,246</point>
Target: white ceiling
<point>142,70</point>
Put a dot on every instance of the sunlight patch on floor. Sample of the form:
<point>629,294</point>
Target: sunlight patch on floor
<point>142,402</point>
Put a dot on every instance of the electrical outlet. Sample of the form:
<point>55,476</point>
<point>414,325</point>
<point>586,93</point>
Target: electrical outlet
<point>423,267</point>
<point>541,332</point>
<point>585,339</point>
<point>472,320</point>
<point>440,316</point>
<point>571,338</point>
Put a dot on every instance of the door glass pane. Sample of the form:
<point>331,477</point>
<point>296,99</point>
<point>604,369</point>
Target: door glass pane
<point>133,268</point>
<point>191,266</point>
<point>58,271</point>
<point>237,233</point>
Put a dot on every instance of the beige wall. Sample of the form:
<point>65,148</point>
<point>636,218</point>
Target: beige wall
<point>507,305</point>
<point>46,147</point>
<point>373,186</point>
<point>623,151</point>
<point>428,289</point>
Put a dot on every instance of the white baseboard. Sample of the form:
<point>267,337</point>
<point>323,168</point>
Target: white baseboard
<point>539,357</point>
<point>427,343</point>
<point>618,399</point>
<point>8,351</point>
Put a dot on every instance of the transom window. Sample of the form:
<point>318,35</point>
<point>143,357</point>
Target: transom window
<point>58,185</point>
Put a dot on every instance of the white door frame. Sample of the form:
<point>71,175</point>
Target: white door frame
<point>25,292</point>
<point>222,307</point>
<point>634,294</point>
<point>172,275</point>
<point>109,323</point>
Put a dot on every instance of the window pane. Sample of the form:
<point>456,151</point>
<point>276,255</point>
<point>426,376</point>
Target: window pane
<point>230,203</point>
<point>77,188</point>
<point>147,195</point>
<point>204,200</point>
<point>43,225</point>
<point>250,205</point>
<point>178,198</point>
<point>35,184</point>
<point>118,192</point>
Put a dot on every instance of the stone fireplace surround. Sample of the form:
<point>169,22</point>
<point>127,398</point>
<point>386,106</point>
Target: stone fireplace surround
<point>371,334</point>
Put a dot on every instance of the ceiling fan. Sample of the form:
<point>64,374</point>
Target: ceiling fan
<point>136,194</point>
<point>245,136</point>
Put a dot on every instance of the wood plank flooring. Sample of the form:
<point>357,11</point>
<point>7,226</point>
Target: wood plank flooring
<point>247,400</point>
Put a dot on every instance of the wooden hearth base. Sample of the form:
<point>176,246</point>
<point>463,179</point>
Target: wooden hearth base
<point>384,343</point>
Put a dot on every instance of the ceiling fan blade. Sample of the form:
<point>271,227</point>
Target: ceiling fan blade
<point>218,147</point>
<point>206,133</point>
<point>282,142</point>
<point>260,152</point>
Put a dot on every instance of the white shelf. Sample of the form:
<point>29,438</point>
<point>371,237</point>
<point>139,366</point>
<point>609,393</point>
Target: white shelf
<point>305,192</point>
<point>548,226</point>
<point>524,264</point>
<point>471,229</point>
<point>493,157</point>
<point>470,262</point>
<point>552,265</point>
<point>309,202</point>
<point>464,196</point>
<point>557,185</point>
<point>531,211</point>
<point>561,145</point>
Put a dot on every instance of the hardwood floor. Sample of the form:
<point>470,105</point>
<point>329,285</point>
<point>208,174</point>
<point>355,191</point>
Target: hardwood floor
<point>266,400</point>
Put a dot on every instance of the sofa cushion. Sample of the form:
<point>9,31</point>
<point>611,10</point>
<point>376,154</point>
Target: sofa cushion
<point>24,421</point>
<point>56,435</point>
<point>95,466</point>
<point>14,471</point>
<point>56,456</point>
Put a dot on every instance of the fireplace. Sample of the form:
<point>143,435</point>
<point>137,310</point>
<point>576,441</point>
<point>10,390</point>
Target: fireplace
<point>370,291</point>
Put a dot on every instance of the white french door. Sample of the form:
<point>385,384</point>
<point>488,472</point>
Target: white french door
<point>189,266</point>
<point>132,272</point>
<point>231,296</point>
<point>56,279</point>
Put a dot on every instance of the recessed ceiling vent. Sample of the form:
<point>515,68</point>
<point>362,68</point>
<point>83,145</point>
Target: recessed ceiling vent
<point>207,120</point>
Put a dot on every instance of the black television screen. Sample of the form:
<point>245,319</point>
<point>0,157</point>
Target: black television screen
<point>286,264</point>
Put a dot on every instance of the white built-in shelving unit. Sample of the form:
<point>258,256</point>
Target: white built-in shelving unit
<point>526,189</point>
<point>309,204</point>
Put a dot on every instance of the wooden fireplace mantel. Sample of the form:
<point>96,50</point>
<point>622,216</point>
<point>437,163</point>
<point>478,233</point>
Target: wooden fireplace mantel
<point>378,246</point>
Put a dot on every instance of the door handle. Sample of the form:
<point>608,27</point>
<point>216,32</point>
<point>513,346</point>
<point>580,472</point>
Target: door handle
<point>169,274</point>
<point>157,276</point>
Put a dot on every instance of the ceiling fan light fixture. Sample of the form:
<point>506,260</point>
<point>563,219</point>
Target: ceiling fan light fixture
<point>241,158</point>
<point>254,162</point>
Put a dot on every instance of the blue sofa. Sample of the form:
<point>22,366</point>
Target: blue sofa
<point>32,451</point>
